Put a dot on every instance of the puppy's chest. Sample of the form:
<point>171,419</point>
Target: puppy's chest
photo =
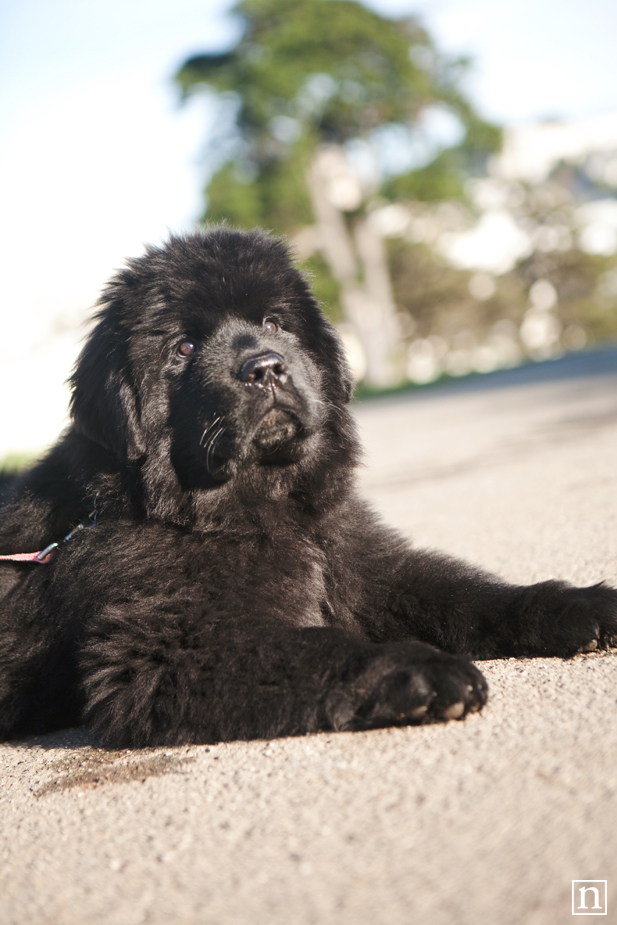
<point>290,575</point>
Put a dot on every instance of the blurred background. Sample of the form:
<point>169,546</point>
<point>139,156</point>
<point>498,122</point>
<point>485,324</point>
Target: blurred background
<point>446,170</point>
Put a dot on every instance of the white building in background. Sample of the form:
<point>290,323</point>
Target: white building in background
<point>531,152</point>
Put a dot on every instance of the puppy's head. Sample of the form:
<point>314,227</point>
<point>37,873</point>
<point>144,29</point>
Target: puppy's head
<point>211,355</point>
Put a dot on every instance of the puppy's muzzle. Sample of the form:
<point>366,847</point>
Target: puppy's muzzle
<point>264,371</point>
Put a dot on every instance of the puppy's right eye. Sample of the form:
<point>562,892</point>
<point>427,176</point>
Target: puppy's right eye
<point>185,349</point>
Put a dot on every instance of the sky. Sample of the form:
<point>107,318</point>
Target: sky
<point>97,156</point>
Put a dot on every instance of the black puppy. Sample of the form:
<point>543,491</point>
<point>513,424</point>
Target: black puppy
<point>228,582</point>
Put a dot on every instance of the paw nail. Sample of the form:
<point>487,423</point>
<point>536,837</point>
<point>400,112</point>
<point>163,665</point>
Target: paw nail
<point>454,711</point>
<point>419,712</point>
<point>590,646</point>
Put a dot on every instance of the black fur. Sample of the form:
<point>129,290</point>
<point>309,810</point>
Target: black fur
<point>234,586</point>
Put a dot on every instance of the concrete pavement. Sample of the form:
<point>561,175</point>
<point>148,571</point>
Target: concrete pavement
<point>486,821</point>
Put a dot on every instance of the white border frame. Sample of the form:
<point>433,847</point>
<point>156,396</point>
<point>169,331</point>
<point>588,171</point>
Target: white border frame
<point>605,882</point>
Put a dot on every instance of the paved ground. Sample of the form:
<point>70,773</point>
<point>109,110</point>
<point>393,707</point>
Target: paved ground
<point>486,821</point>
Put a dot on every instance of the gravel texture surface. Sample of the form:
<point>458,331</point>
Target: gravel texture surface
<point>483,821</point>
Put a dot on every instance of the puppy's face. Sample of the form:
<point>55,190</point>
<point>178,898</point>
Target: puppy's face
<point>248,394</point>
<point>212,352</point>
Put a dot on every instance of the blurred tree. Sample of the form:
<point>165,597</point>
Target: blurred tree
<point>310,86</point>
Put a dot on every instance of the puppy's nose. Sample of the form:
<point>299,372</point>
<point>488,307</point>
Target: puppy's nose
<point>270,368</point>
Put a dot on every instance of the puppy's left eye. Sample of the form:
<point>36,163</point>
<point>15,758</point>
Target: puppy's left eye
<point>185,349</point>
<point>270,326</point>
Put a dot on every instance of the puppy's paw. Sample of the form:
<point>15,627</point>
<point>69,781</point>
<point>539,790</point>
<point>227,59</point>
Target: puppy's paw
<point>575,620</point>
<point>406,684</point>
<point>589,619</point>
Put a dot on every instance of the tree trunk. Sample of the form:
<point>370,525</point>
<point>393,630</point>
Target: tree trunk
<point>358,262</point>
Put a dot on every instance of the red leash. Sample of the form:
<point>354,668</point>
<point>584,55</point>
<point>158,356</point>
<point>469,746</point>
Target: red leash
<point>49,553</point>
<point>25,557</point>
<point>42,557</point>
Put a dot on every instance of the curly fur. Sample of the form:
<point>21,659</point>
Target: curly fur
<point>234,585</point>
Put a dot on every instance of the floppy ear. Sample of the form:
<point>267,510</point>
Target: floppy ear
<point>346,376</point>
<point>344,380</point>
<point>104,404</point>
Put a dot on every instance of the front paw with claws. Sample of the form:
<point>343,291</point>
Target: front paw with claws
<point>406,684</point>
<point>569,621</point>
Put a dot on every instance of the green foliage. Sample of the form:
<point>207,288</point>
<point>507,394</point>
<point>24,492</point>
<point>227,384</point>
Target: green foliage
<point>13,463</point>
<point>443,178</point>
<point>311,71</point>
<point>359,62</point>
<point>324,286</point>
<point>439,180</point>
<point>232,198</point>
<point>437,297</point>
<point>580,280</point>
<point>481,136</point>
<point>278,202</point>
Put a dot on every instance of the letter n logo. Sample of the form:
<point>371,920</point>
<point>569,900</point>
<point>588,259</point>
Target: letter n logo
<point>589,897</point>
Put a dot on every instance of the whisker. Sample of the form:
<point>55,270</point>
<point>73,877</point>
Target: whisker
<point>216,439</point>
<point>209,427</point>
<point>211,447</point>
<point>328,404</point>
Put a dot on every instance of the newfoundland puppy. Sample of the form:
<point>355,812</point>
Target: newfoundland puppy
<point>191,563</point>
